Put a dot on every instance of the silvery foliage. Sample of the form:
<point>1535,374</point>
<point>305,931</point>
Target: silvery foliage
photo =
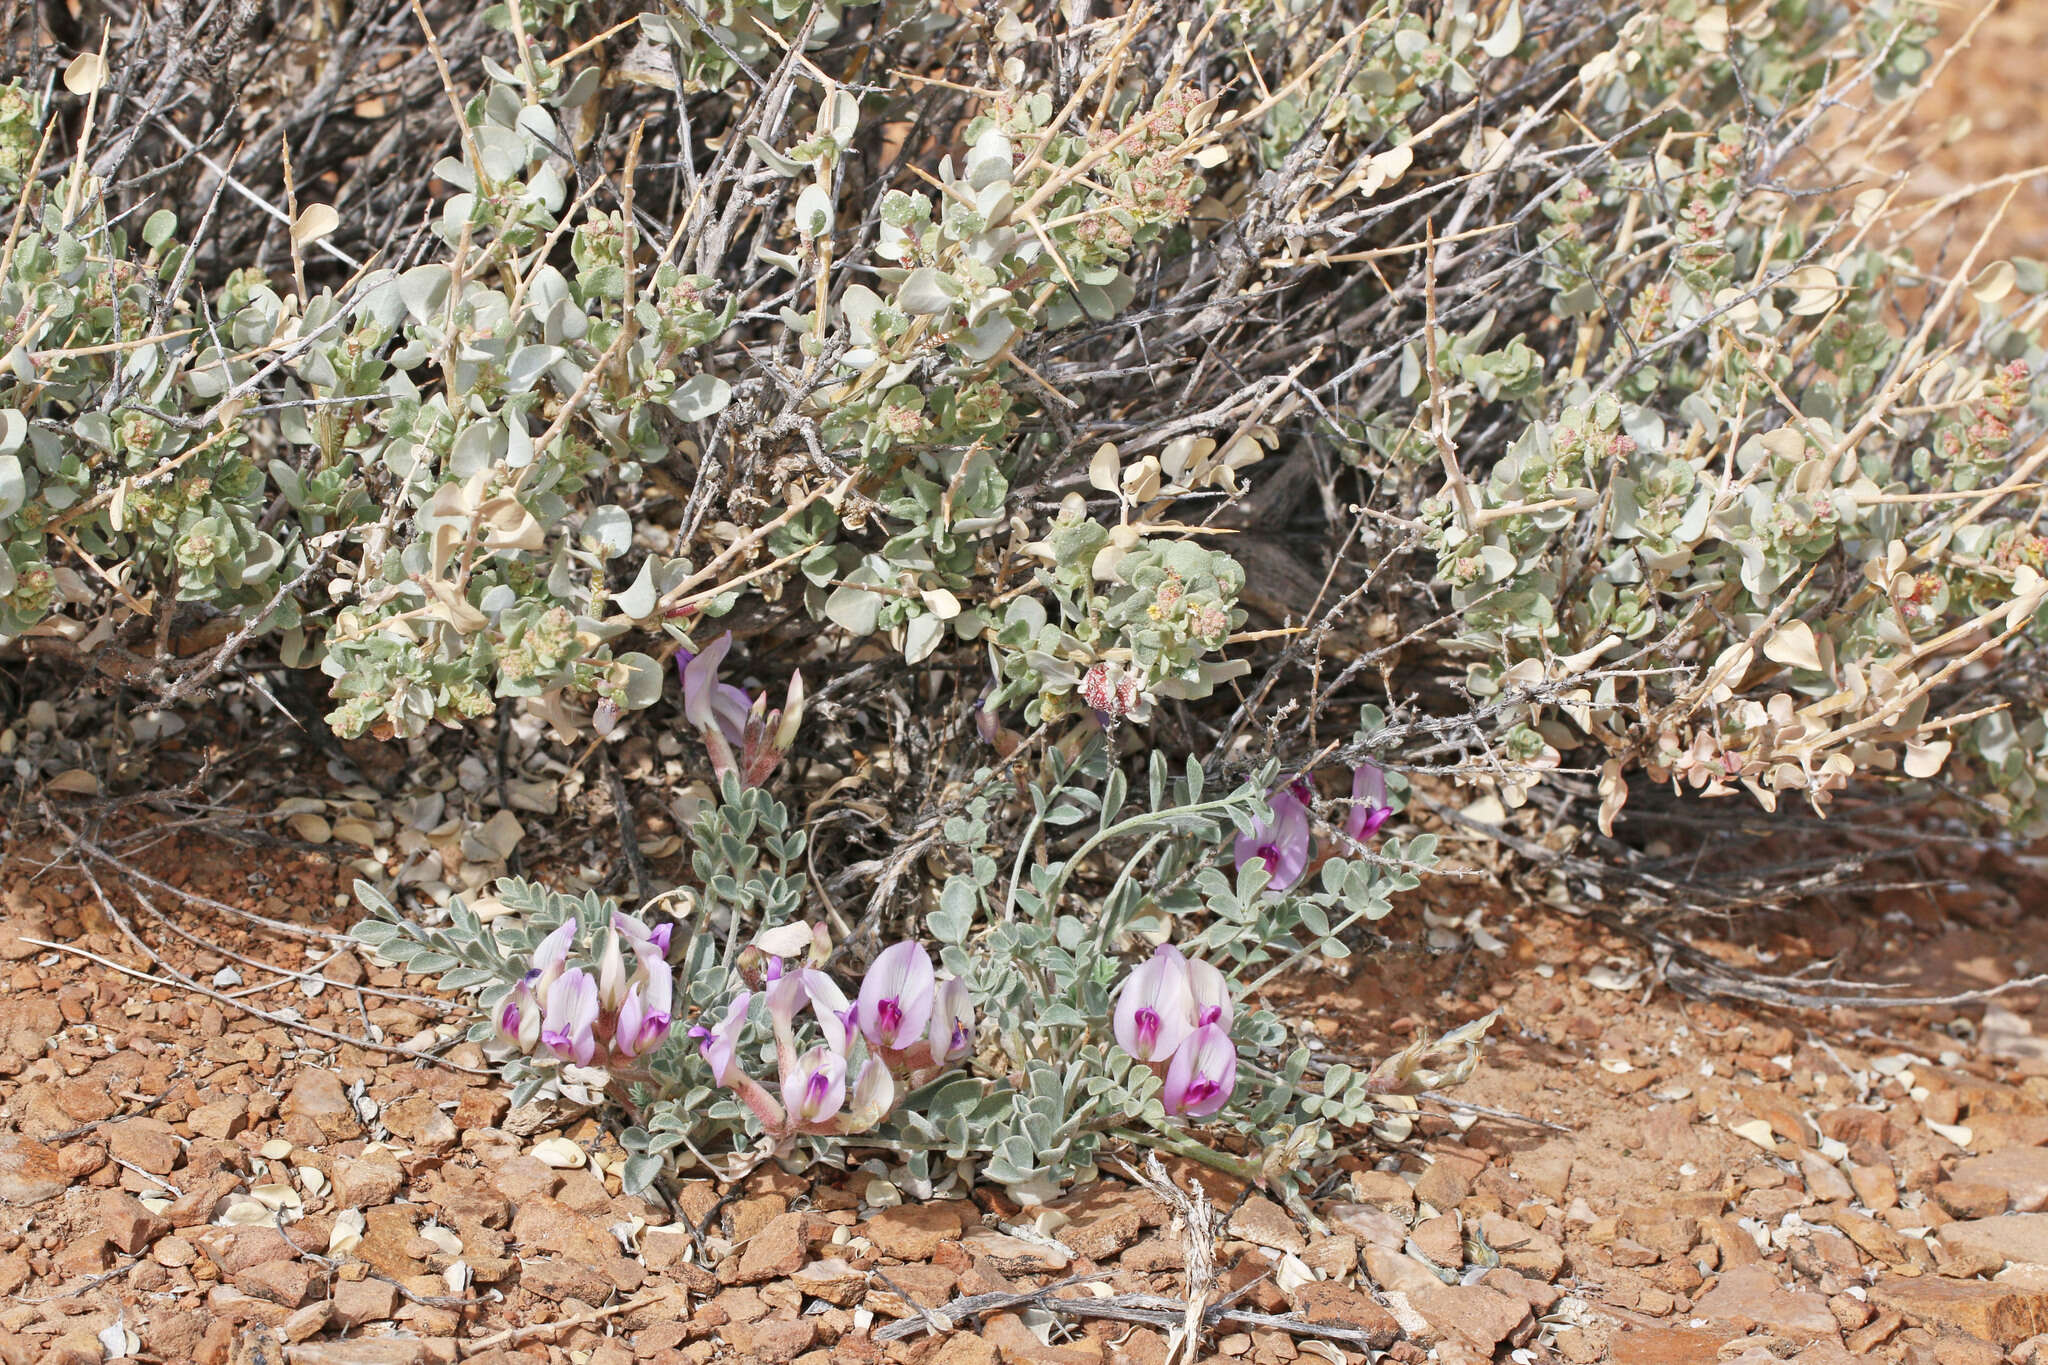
<point>1047,1084</point>
<point>421,484</point>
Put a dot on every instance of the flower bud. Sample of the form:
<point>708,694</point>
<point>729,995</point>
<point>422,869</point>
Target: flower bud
<point>792,714</point>
<point>874,1092</point>
<point>952,1026</point>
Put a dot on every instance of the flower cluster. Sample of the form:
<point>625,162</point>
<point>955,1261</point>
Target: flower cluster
<point>905,1024</point>
<point>600,1018</point>
<point>1286,842</point>
<point>1173,1014</point>
<point>733,723</point>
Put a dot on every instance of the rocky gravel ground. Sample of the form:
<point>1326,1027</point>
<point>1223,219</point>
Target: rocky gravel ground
<point>1630,1177</point>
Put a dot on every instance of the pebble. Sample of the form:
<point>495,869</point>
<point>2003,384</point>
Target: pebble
<point>29,1172</point>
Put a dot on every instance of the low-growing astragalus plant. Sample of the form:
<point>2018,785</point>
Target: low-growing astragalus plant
<point>1137,447</point>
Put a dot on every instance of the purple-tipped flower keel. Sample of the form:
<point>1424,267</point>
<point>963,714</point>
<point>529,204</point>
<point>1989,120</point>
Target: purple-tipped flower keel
<point>952,1027</point>
<point>1155,1009</point>
<point>896,997</point>
<point>567,1027</point>
<point>1282,843</point>
<point>519,1015</point>
<point>718,1042</point>
<point>814,1090</point>
<point>1369,808</point>
<point>1210,993</point>
<point>1202,1075</point>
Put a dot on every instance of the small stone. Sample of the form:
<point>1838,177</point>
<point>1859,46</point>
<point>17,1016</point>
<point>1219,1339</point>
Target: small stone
<point>1371,1226</point>
<point>1969,1199</point>
<point>419,1120</point>
<point>1326,1302</point>
<point>1876,1186</point>
<point>357,1302</point>
<point>912,1232</point>
<point>289,1283</point>
<point>77,1160</point>
<point>2021,1172</point>
<point>775,1252</point>
<point>2006,1313</point>
<point>146,1143</point>
<point>174,1252</point>
<point>1014,1255</point>
<point>1447,1181</point>
<point>87,1254</point>
<point>131,1226</point>
<point>834,1280</point>
<point>558,1280</point>
<point>1959,1350</point>
<point>222,1119</point>
<point>2012,1237</point>
<point>1752,1293</point>
<point>1523,1248</point>
<point>377,1351</point>
<point>1264,1223</point>
<point>774,1342</point>
<point>319,1096</point>
<point>366,1184</point>
<point>1385,1191</point>
<point>1442,1240</point>
<point>308,1322</point>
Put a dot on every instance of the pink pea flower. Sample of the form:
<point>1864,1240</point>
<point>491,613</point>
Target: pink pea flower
<point>1202,1074</point>
<point>708,703</point>
<point>645,1017</point>
<point>1283,843</point>
<point>571,1015</point>
<point>952,1027</point>
<point>1369,808</point>
<point>896,997</point>
<point>815,1088</point>
<point>717,1043</point>
<point>1155,1009</point>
